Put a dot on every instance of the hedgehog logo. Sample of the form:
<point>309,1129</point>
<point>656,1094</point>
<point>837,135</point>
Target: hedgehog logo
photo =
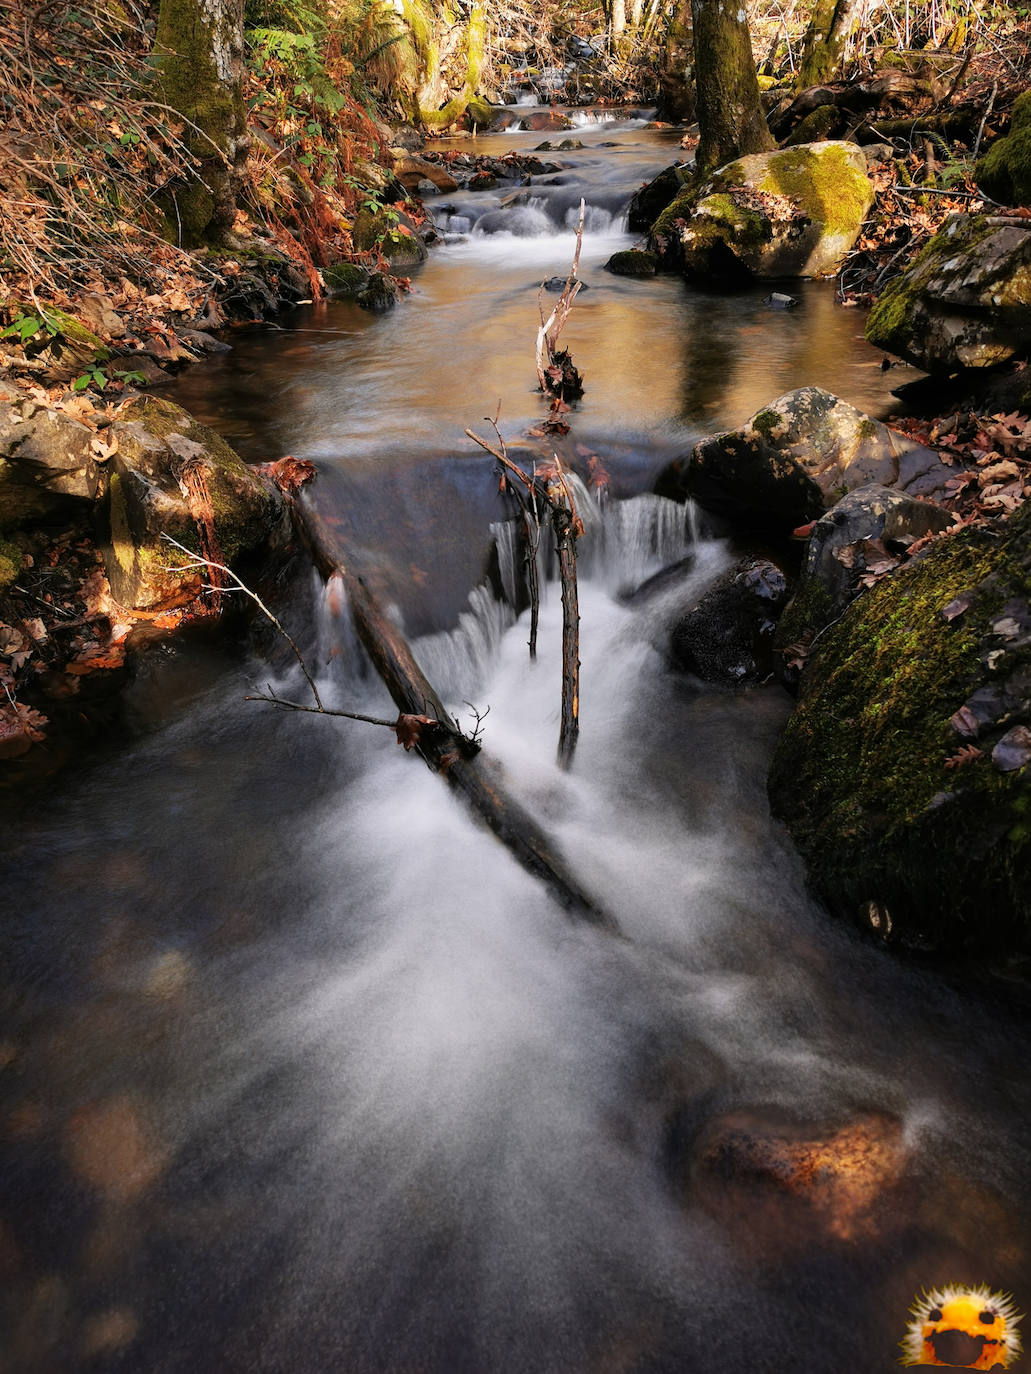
<point>962,1328</point>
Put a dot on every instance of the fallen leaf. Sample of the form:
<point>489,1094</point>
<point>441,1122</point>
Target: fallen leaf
<point>968,754</point>
<point>409,729</point>
<point>964,722</point>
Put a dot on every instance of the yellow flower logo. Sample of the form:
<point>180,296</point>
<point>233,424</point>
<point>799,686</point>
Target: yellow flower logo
<point>962,1328</point>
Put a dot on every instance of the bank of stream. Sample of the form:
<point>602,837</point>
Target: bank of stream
<point>302,1072</point>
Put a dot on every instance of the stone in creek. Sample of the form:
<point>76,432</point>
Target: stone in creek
<point>558,284</point>
<point>544,121</point>
<point>46,466</point>
<point>796,458</point>
<point>727,636</point>
<point>381,294</point>
<point>633,262</point>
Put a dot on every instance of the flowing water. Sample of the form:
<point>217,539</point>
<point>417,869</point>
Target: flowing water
<point>301,1072</point>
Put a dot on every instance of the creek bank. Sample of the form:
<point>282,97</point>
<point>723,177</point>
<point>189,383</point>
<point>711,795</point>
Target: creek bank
<point>86,495</point>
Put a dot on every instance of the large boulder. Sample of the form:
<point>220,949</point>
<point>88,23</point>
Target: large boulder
<point>904,775</point>
<point>46,466</point>
<point>796,458</point>
<point>794,212</point>
<point>849,545</point>
<point>1005,170</point>
<point>966,300</point>
<point>648,203</point>
<point>171,475</point>
<point>727,635</point>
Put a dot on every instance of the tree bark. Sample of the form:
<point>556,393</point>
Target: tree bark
<point>200,64</point>
<point>831,26</point>
<point>476,777</point>
<point>730,115</point>
<point>676,78</point>
<point>565,544</point>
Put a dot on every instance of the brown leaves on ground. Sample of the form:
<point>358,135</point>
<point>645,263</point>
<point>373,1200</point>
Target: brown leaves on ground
<point>968,754</point>
<point>992,457</point>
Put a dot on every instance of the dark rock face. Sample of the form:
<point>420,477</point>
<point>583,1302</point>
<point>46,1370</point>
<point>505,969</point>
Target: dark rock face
<point>649,202</point>
<point>846,544</point>
<point>966,300</point>
<point>633,262</point>
<point>796,458</point>
<point>46,466</point>
<point>904,775</point>
<point>171,475</point>
<point>727,637</point>
<point>1005,170</point>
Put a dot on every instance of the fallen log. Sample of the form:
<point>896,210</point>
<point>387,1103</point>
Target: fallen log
<point>440,743</point>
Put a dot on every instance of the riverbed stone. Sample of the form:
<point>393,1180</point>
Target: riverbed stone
<point>794,212</point>
<point>727,635</point>
<point>541,121</point>
<point>900,774</point>
<point>633,262</point>
<point>411,170</point>
<point>648,203</point>
<point>966,300</point>
<point>171,475</point>
<point>797,457</point>
<point>46,467</point>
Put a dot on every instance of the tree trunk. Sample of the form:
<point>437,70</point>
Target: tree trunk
<point>199,52</point>
<point>830,28</point>
<point>676,99</point>
<point>730,114</point>
<point>474,776</point>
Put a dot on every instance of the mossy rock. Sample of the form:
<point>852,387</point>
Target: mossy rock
<point>1005,170</point>
<point>651,200</point>
<point>382,230</point>
<point>633,262</point>
<point>794,212</point>
<point>10,564</point>
<point>964,303</point>
<point>173,476</point>
<point>821,123</point>
<point>381,294</point>
<point>899,830</point>
<point>346,278</point>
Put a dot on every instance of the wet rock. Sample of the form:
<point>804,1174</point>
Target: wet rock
<point>794,212</point>
<point>791,1178</point>
<point>170,474</point>
<point>649,202</point>
<point>46,467</point>
<point>482,181</point>
<point>347,279</point>
<point>796,458</point>
<point>966,300</point>
<point>379,294</point>
<point>727,636</point>
<point>856,536</point>
<point>633,262</point>
<point>546,121</point>
<point>902,773</point>
<point>410,170</point>
<point>558,284</point>
<point>777,300</point>
<point>198,338</point>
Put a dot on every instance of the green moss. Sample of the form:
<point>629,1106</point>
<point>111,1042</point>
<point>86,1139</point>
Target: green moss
<point>867,428</point>
<point>818,124</point>
<point>633,262</point>
<point>480,112</point>
<point>346,278</point>
<point>10,564</point>
<point>767,421</point>
<point>828,189</point>
<point>860,773</point>
<point>808,610</point>
<point>1005,170</point>
<point>680,207</point>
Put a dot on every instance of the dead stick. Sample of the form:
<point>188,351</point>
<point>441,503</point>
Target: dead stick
<point>478,779</point>
<point>569,727</point>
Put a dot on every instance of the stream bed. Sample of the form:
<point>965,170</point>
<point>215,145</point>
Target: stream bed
<point>300,1072</point>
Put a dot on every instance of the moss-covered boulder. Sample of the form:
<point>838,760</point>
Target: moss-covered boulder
<point>347,279</point>
<point>174,476</point>
<point>1005,170</point>
<point>794,212</point>
<point>385,231</point>
<point>648,203</point>
<point>633,262</point>
<point>46,467</point>
<point>904,774</point>
<point>379,295</point>
<point>966,300</point>
<point>796,458</point>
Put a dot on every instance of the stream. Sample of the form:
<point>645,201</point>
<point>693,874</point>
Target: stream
<point>299,1071</point>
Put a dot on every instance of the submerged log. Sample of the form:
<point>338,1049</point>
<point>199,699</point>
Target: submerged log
<point>445,750</point>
